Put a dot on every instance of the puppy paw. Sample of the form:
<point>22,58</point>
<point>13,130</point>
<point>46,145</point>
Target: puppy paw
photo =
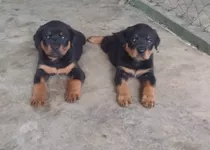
<point>72,96</point>
<point>124,99</point>
<point>148,96</point>
<point>73,90</point>
<point>95,39</point>
<point>148,101</point>
<point>38,100</point>
<point>123,94</point>
<point>39,95</point>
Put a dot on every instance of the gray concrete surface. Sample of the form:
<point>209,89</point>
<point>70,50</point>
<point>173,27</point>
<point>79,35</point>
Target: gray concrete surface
<point>179,121</point>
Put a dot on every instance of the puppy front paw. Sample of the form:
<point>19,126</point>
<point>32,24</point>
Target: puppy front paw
<point>123,94</point>
<point>39,95</point>
<point>124,99</point>
<point>148,96</point>
<point>73,90</point>
<point>148,100</point>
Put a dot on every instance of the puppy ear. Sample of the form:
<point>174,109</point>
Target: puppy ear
<point>71,32</point>
<point>123,35</point>
<point>76,37</point>
<point>128,31</point>
<point>38,36</point>
<point>157,40</point>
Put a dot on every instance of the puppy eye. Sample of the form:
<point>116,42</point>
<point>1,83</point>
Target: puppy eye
<point>62,37</point>
<point>48,37</point>
<point>149,40</point>
<point>134,40</point>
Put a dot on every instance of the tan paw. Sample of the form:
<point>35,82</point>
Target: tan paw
<point>148,100</point>
<point>95,39</point>
<point>123,94</point>
<point>39,95</point>
<point>124,99</point>
<point>72,96</point>
<point>73,90</point>
<point>37,101</point>
<point>148,95</point>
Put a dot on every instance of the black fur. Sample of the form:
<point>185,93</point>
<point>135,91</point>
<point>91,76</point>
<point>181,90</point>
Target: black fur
<point>145,38</point>
<point>77,40</point>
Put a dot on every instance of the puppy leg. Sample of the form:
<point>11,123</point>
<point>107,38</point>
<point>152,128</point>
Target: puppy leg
<point>148,91</point>
<point>123,92</point>
<point>95,39</point>
<point>75,79</point>
<point>39,93</point>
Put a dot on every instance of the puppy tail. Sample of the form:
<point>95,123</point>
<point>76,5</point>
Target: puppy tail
<point>95,39</point>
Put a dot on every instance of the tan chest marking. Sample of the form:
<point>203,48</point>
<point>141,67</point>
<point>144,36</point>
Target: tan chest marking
<point>66,70</point>
<point>48,69</point>
<point>53,70</point>
<point>135,73</point>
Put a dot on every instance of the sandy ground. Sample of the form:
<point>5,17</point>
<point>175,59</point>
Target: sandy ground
<point>179,121</point>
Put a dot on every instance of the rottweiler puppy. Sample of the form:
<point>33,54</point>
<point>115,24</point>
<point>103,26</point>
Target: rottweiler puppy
<point>60,48</point>
<point>130,51</point>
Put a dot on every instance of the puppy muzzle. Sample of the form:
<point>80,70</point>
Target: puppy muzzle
<point>55,44</point>
<point>141,49</point>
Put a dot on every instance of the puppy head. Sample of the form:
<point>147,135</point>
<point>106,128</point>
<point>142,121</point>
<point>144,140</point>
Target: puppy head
<point>141,39</point>
<point>53,39</point>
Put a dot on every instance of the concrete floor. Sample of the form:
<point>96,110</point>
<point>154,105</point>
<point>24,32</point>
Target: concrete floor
<point>179,121</point>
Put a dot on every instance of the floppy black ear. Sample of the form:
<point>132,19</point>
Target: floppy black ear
<point>120,36</point>
<point>76,37</point>
<point>38,36</point>
<point>128,31</point>
<point>71,32</point>
<point>123,35</point>
<point>157,40</point>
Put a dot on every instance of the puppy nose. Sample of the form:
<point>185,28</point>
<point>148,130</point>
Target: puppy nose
<point>55,46</point>
<point>141,49</point>
<point>54,38</point>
